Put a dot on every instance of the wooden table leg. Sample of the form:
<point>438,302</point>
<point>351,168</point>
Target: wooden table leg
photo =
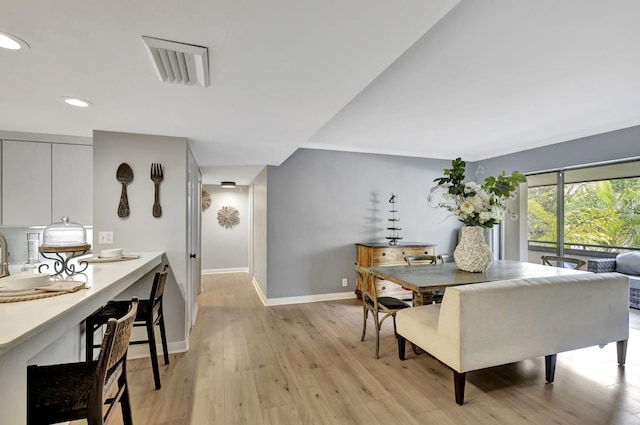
<point>422,298</point>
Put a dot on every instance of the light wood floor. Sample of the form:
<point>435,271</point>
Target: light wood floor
<point>305,364</point>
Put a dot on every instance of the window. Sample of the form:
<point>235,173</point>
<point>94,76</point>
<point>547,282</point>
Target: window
<point>597,210</point>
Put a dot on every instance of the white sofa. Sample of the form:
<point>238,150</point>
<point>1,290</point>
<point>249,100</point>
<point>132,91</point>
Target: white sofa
<point>494,323</point>
<point>627,263</point>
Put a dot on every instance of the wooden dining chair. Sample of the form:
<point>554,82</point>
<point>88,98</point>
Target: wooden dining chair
<point>446,258</point>
<point>436,296</point>
<point>388,306</point>
<point>421,259</point>
<point>150,314</point>
<point>66,392</point>
<point>563,262</point>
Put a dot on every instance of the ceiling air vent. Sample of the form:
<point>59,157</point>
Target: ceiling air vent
<point>178,62</point>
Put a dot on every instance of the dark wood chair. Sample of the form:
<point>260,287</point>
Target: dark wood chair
<point>563,262</point>
<point>388,306</point>
<point>150,314</point>
<point>66,392</point>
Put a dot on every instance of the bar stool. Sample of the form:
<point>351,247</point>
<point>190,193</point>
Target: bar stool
<point>149,315</point>
<point>66,392</point>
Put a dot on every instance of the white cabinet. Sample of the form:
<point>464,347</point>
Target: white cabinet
<point>43,182</point>
<point>26,183</point>
<point>72,183</point>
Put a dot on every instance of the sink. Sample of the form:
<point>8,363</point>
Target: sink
<point>26,280</point>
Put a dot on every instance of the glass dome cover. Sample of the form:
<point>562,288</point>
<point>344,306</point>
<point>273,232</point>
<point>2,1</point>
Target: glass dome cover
<point>64,234</point>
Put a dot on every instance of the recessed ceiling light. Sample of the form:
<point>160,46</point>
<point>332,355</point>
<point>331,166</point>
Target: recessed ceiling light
<point>11,42</point>
<point>75,101</point>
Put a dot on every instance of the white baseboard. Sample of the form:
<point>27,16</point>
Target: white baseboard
<point>195,315</point>
<point>141,351</point>
<point>261,295</point>
<point>230,270</point>
<point>310,298</point>
<point>301,299</point>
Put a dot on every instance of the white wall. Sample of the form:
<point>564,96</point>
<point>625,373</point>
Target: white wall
<point>225,249</point>
<point>258,232</point>
<point>141,231</point>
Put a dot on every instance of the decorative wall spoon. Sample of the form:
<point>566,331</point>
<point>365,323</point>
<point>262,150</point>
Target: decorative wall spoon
<point>124,175</point>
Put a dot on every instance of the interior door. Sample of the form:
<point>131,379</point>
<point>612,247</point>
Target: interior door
<point>194,213</point>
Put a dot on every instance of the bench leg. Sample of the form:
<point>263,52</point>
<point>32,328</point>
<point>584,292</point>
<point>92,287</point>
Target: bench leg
<point>401,345</point>
<point>550,366</point>
<point>459,380</point>
<point>622,352</point>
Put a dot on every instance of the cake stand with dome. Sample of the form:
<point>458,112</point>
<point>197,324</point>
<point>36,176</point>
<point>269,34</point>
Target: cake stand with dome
<point>62,242</point>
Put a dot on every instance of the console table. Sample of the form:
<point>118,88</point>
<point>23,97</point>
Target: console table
<point>371,254</point>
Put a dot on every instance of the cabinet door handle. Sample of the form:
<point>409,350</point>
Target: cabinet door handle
<point>192,255</point>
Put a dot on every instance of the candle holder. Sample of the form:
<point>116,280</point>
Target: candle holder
<point>394,237</point>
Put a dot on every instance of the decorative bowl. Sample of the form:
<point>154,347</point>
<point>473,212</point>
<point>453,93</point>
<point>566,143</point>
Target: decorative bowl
<point>26,280</point>
<point>111,253</point>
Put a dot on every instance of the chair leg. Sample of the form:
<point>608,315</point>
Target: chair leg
<point>377,324</point>
<point>154,354</point>
<point>125,404</point>
<point>89,331</point>
<point>163,335</point>
<point>365,314</point>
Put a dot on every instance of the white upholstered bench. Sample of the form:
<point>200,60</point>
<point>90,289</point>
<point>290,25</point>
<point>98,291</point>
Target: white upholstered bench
<point>494,323</point>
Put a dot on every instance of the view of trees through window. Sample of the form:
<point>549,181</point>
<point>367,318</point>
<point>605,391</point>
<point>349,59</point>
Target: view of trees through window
<point>598,215</point>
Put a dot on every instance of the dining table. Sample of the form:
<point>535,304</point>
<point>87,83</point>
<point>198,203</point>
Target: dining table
<point>425,279</point>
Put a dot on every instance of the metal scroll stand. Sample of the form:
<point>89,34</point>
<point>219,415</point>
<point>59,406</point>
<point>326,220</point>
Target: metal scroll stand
<point>62,255</point>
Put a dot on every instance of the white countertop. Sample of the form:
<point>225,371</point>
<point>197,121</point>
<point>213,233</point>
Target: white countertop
<point>20,321</point>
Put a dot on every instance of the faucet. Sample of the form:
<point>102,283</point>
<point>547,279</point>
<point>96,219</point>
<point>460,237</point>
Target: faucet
<point>5,255</point>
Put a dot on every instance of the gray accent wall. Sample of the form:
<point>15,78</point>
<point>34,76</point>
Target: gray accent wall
<point>321,203</point>
<point>141,231</point>
<point>611,146</point>
<point>606,147</point>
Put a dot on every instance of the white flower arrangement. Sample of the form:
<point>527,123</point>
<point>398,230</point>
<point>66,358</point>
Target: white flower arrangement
<point>474,204</point>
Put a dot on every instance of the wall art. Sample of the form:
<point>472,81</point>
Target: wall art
<point>206,200</point>
<point>228,217</point>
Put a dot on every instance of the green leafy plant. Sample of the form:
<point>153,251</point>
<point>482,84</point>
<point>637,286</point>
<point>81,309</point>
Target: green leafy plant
<point>474,204</point>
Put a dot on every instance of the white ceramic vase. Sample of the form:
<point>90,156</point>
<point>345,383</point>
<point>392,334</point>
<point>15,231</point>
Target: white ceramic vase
<point>472,253</point>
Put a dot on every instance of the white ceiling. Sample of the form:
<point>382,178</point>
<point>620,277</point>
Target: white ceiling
<point>498,76</point>
<point>486,78</point>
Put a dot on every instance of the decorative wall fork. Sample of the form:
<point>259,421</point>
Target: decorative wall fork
<point>157,175</point>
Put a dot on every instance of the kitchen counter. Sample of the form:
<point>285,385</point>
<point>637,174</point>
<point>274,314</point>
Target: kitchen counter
<point>28,327</point>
